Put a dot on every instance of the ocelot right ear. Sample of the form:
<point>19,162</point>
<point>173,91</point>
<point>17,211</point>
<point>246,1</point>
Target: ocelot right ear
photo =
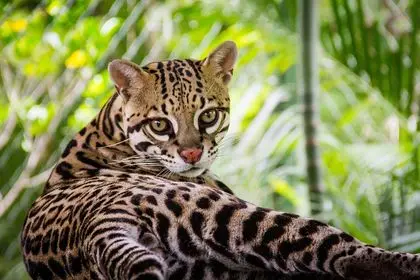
<point>222,60</point>
<point>125,75</point>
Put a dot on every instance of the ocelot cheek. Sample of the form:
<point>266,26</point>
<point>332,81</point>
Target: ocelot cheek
<point>169,151</point>
<point>212,151</point>
<point>140,142</point>
<point>219,136</point>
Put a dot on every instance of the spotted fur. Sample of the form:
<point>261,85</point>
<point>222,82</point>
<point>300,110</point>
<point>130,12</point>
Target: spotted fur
<point>122,204</point>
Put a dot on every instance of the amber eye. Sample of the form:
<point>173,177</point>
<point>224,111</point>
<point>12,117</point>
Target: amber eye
<point>160,126</point>
<point>208,118</point>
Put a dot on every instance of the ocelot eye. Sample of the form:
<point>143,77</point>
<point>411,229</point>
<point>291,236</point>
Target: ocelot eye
<point>208,118</point>
<point>160,126</point>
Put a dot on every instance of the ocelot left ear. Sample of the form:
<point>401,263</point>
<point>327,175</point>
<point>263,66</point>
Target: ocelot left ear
<point>222,60</point>
<point>125,75</point>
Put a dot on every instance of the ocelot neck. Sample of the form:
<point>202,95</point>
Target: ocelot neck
<point>102,146</point>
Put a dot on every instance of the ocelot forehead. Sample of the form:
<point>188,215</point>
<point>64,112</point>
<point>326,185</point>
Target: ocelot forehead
<point>185,86</point>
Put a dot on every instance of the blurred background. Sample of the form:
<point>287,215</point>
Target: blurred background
<point>53,80</point>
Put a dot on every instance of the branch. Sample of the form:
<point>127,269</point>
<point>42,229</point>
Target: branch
<point>7,130</point>
<point>40,149</point>
<point>22,183</point>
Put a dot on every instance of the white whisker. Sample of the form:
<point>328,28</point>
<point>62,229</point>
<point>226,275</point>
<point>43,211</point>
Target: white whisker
<point>115,144</point>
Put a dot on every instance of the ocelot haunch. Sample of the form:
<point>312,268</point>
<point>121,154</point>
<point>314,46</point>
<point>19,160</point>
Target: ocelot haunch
<point>132,198</point>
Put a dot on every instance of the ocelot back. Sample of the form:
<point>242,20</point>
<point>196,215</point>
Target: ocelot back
<point>131,196</point>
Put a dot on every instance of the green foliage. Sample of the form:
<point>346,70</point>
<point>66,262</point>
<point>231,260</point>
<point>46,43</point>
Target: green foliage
<point>53,81</point>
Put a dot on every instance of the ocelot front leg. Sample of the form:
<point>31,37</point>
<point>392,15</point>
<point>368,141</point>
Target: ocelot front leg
<point>213,225</point>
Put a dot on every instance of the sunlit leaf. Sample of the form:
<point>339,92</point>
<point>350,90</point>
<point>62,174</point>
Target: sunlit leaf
<point>284,189</point>
<point>77,59</point>
<point>15,25</point>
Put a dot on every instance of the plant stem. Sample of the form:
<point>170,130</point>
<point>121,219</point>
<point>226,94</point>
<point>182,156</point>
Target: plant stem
<point>308,22</point>
<point>413,56</point>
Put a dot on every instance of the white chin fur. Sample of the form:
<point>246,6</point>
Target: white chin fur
<point>192,172</point>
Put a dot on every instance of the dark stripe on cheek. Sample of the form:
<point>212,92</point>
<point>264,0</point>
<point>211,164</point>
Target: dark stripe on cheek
<point>136,127</point>
<point>143,146</point>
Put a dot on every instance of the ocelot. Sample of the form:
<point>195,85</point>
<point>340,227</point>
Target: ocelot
<point>132,198</point>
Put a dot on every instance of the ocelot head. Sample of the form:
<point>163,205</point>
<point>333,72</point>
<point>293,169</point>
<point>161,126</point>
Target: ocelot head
<point>177,111</point>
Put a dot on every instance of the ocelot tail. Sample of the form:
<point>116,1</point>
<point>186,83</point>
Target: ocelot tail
<point>132,198</point>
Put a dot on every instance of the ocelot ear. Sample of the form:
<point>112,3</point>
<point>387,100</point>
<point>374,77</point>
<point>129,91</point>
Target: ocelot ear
<point>222,60</point>
<point>126,74</point>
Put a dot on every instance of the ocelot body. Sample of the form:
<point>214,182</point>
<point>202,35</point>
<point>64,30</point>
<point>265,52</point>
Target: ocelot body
<point>132,197</point>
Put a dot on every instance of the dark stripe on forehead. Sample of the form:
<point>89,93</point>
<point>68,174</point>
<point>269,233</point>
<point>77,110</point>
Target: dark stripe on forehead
<point>164,109</point>
<point>202,102</point>
<point>162,78</point>
<point>193,66</point>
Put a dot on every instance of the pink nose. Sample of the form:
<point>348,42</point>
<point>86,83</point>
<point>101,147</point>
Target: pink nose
<point>191,155</point>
